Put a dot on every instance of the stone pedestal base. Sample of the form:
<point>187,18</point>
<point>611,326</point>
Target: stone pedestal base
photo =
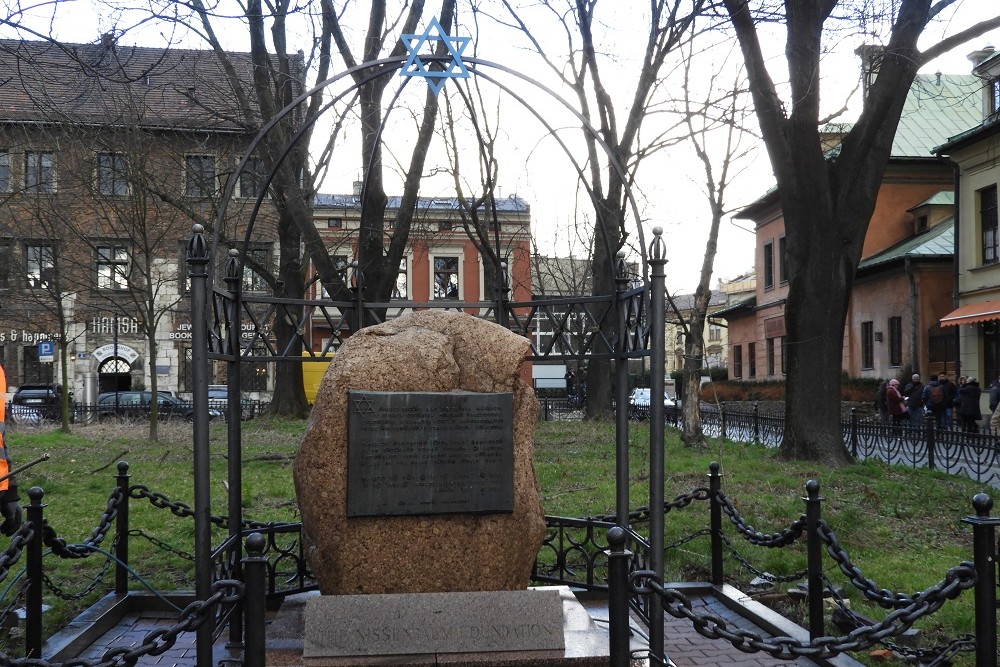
<point>585,643</point>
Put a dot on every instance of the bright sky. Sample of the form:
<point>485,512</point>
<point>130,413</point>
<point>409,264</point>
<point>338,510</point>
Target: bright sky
<point>533,166</point>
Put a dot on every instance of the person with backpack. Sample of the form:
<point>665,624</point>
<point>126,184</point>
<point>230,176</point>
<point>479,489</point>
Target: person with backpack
<point>968,405</point>
<point>950,394</point>
<point>935,399</point>
<point>881,406</point>
<point>914,391</point>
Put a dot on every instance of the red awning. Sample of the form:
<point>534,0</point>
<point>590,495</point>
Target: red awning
<point>972,313</point>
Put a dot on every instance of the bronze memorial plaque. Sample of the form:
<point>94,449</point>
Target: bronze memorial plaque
<point>429,453</point>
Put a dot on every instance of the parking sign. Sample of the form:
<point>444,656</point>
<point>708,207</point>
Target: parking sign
<point>46,351</point>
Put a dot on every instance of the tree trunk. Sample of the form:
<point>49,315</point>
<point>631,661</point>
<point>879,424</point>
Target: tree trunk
<point>819,290</point>
<point>691,433</point>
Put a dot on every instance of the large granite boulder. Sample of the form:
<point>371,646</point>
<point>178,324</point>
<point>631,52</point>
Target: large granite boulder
<point>420,352</point>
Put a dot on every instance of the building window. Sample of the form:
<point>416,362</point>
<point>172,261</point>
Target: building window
<point>770,356</point>
<point>399,290</point>
<point>111,175</point>
<point>752,359</point>
<point>6,259</point>
<point>252,178</point>
<point>5,185</point>
<point>334,223</point>
<point>988,223</point>
<point>112,267</point>
<point>769,265</point>
<point>32,370</point>
<point>921,224</point>
<point>444,226</point>
<point>994,88</point>
<point>896,341</point>
<point>781,344</point>
<point>38,172</point>
<point>39,264</point>
<point>714,331</point>
<point>782,262</point>
<point>199,175</point>
<point>185,370</point>
<point>253,374</point>
<point>446,278</point>
<point>737,361</point>
<point>253,280</point>
<point>867,345</point>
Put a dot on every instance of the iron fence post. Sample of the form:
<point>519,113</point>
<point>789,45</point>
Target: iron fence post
<point>121,530</point>
<point>814,553</point>
<point>545,409</point>
<point>618,595</point>
<point>33,599</point>
<point>621,393</point>
<point>657,300</point>
<point>234,436</point>
<point>931,433</point>
<point>255,572</point>
<point>715,510</point>
<point>984,558</point>
<point>198,258</point>
<point>722,417</point>
<point>854,432</point>
<point>756,423</point>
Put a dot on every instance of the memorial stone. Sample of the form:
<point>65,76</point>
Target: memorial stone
<point>457,541</point>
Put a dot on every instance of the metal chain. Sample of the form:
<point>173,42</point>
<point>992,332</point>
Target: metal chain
<point>939,655</point>
<point>138,532</point>
<point>684,540</point>
<point>18,541</point>
<point>773,578</point>
<point>184,510</point>
<point>962,577</point>
<point>779,539</point>
<point>881,596</point>
<point>643,514</point>
<point>61,548</point>
<point>98,578</point>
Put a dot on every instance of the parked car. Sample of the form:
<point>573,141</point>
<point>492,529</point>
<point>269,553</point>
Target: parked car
<point>45,398</point>
<point>218,398</point>
<point>136,405</point>
<point>638,403</point>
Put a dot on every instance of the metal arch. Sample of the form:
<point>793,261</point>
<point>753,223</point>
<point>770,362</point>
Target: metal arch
<point>396,62</point>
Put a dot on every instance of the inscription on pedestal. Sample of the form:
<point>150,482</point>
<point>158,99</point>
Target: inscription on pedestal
<point>429,453</point>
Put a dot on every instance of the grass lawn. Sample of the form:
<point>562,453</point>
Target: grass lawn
<point>901,527</point>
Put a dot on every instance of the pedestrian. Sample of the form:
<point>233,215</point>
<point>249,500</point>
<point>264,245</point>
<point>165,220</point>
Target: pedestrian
<point>968,405</point>
<point>881,407</point>
<point>895,405</point>
<point>994,403</point>
<point>10,507</point>
<point>934,396</point>
<point>570,382</point>
<point>914,400</point>
<point>950,392</point>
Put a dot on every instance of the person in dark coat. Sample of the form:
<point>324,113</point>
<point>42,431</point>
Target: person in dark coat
<point>896,405</point>
<point>881,407</point>
<point>968,405</point>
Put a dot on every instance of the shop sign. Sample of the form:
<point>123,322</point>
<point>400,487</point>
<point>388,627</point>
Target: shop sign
<point>110,350</point>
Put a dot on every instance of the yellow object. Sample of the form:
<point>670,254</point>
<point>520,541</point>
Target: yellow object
<point>313,372</point>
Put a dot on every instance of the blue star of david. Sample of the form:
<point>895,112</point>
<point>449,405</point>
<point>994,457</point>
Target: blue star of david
<point>415,66</point>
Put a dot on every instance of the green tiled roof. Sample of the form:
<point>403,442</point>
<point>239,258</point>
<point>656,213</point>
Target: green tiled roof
<point>937,242</point>
<point>937,107</point>
<point>942,198</point>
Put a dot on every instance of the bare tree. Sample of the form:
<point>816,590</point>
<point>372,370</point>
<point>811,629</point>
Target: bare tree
<point>716,129</point>
<point>580,69</point>
<point>827,203</point>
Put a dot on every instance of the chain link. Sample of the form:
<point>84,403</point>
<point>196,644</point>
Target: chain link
<point>767,576</point>
<point>63,549</point>
<point>138,532</point>
<point>643,514</point>
<point>98,578</point>
<point>959,578</point>
<point>779,539</point>
<point>12,553</point>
